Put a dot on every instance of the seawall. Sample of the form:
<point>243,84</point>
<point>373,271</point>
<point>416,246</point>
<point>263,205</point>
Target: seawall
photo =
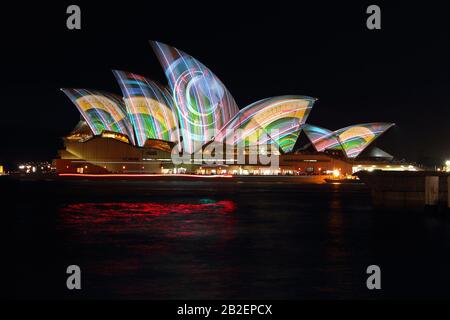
<point>408,190</point>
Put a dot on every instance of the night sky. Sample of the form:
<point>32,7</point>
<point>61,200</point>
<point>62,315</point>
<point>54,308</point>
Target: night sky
<point>398,74</point>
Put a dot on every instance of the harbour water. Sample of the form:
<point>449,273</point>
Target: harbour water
<point>273,239</point>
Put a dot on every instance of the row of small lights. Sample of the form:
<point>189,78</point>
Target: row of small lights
<point>29,168</point>
<point>336,172</point>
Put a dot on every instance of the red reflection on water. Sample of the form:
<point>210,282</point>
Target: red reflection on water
<point>159,220</point>
<point>144,209</point>
<point>129,238</point>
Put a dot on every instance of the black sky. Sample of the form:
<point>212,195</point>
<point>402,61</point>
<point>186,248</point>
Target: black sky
<point>398,74</point>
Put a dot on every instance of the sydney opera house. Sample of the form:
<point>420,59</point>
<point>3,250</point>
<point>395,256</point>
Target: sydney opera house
<point>141,130</point>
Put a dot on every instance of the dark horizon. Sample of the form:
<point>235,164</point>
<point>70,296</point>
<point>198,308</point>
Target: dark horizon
<point>397,74</point>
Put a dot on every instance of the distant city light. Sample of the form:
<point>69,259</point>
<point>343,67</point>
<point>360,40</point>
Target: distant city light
<point>138,175</point>
<point>35,167</point>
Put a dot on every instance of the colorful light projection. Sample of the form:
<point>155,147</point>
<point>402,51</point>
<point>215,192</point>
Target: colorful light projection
<point>150,108</point>
<point>352,139</point>
<point>196,107</point>
<point>102,111</point>
<point>203,103</point>
<point>274,120</point>
<point>321,138</point>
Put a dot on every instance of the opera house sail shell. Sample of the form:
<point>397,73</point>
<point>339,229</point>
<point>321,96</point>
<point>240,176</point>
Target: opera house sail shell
<point>352,139</point>
<point>321,138</point>
<point>203,103</point>
<point>150,108</point>
<point>151,121</point>
<point>102,111</point>
<point>274,121</point>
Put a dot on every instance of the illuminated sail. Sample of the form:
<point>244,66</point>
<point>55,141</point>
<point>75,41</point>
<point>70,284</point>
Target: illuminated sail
<point>150,108</point>
<point>273,120</point>
<point>354,139</point>
<point>102,111</point>
<point>196,108</point>
<point>321,138</point>
<point>203,103</point>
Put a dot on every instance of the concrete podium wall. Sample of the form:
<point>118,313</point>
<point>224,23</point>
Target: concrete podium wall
<point>448,192</point>
<point>407,190</point>
<point>431,190</point>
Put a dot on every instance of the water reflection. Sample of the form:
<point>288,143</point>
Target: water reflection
<point>199,218</point>
<point>137,249</point>
<point>129,210</point>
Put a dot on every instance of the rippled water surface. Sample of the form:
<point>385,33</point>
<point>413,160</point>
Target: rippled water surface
<point>225,241</point>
